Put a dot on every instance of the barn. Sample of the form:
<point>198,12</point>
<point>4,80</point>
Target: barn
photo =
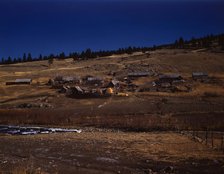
<point>20,82</point>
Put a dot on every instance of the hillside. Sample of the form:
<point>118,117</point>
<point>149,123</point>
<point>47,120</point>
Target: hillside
<point>163,61</point>
<point>146,122</point>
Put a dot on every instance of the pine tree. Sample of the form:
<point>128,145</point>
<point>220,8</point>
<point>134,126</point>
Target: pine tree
<point>29,57</point>
<point>129,50</point>
<point>221,41</point>
<point>51,56</point>
<point>88,53</point>
<point>193,42</point>
<point>3,60</point>
<point>40,57</point>
<point>62,55</point>
<point>181,43</point>
<point>19,59</point>
<point>15,60</point>
<point>24,57</point>
<point>9,60</point>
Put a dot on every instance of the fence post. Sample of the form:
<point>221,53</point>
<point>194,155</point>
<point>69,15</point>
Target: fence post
<point>222,143</point>
<point>212,139</point>
<point>206,137</point>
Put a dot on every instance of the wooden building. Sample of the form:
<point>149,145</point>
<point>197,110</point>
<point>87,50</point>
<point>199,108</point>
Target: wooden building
<point>20,82</point>
<point>199,75</point>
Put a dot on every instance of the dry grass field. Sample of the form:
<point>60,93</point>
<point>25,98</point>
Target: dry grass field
<point>130,150</point>
<point>204,98</point>
<point>107,152</point>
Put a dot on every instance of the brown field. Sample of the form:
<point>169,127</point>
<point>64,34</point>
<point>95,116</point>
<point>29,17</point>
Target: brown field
<point>100,151</point>
<point>106,151</point>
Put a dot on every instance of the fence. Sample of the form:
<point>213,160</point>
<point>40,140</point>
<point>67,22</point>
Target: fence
<point>212,139</point>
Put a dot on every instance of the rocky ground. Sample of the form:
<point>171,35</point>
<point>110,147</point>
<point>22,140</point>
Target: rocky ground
<point>107,151</point>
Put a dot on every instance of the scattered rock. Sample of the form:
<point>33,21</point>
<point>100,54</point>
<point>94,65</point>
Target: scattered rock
<point>78,164</point>
<point>147,161</point>
<point>168,169</point>
<point>149,171</point>
<point>194,164</point>
<point>35,105</point>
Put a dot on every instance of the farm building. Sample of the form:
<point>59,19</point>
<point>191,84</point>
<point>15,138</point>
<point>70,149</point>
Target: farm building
<point>78,92</point>
<point>168,82</point>
<point>67,79</point>
<point>96,81</point>
<point>139,74</point>
<point>170,78</point>
<point>114,84</point>
<point>58,81</point>
<point>151,86</point>
<point>199,75</point>
<point>20,82</point>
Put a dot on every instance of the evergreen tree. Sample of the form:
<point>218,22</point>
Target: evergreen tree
<point>88,53</point>
<point>129,50</point>
<point>40,57</point>
<point>51,56</point>
<point>221,41</point>
<point>62,55</point>
<point>72,55</point>
<point>15,60</point>
<point>176,43</point>
<point>193,42</point>
<point>19,59</point>
<point>29,57</point>
<point>9,60</point>
<point>3,60</point>
<point>24,57</point>
<point>181,43</point>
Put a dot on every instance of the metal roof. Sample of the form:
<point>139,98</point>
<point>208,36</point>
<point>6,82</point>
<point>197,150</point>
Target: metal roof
<point>23,80</point>
<point>94,79</point>
<point>199,74</point>
<point>170,76</point>
<point>68,78</point>
<point>115,82</point>
<point>139,74</point>
<point>78,89</point>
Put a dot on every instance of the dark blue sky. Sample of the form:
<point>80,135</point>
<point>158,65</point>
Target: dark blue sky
<point>53,26</point>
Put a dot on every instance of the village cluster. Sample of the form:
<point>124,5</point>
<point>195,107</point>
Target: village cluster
<point>93,87</point>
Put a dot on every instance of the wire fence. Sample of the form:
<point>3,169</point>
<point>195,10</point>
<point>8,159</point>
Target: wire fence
<point>212,139</point>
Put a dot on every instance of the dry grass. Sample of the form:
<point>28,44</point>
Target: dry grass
<point>143,104</point>
<point>127,152</point>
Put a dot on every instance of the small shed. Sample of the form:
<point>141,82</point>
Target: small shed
<point>199,75</point>
<point>97,81</point>
<point>114,84</point>
<point>67,79</point>
<point>138,74</point>
<point>20,82</point>
<point>169,78</point>
<point>77,90</point>
<point>70,79</point>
